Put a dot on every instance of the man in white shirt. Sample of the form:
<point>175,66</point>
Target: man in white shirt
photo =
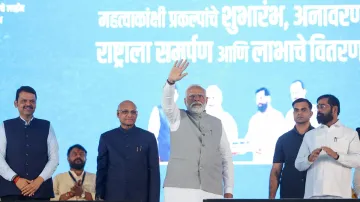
<point>76,184</point>
<point>356,179</point>
<point>328,153</point>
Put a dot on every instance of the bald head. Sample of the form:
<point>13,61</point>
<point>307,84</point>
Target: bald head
<point>126,103</point>
<point>127,114</point>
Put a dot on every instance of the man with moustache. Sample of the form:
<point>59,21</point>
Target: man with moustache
<point>200,165</point>
<point>75,184</point>
<point>265,127</point>
<point>28,152</point>
<point>283,172</point>
<point>128,161</point>
<point>328,153</point>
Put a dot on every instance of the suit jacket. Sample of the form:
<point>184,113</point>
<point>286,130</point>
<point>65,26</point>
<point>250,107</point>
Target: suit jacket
<point>128,166</point>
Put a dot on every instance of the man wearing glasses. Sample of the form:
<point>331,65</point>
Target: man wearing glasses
<point>200,165</point>
<point>328,153</point>
<point>128,161</point>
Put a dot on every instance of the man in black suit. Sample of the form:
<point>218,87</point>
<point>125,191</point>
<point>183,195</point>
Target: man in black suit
<point>128,161</point>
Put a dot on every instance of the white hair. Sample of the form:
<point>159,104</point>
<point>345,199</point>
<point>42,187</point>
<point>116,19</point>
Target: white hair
<point>195,86</point>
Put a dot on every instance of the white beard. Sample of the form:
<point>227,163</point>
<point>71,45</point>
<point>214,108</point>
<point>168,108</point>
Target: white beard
<point>196,109</point>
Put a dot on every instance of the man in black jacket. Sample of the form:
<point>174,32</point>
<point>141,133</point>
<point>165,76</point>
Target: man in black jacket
<point>28,152</point>
<point>128,161</point>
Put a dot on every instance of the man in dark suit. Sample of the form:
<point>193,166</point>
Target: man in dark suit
<point>128,161</point>
<point>28,152</point>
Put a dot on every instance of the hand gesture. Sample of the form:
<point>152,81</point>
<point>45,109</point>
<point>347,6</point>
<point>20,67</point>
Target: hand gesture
<point>314,155</point>
<point>330,152</point>
<point>32,187</point>
<point>66,196</point>
<point>21,183</point>
<point>177,70</point>
<point>228,195</point>
<point>77,189</point>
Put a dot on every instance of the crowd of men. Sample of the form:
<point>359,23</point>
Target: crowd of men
<point>308,162</point>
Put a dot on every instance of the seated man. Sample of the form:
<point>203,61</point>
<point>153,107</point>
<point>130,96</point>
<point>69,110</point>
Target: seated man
<point>75,184</point>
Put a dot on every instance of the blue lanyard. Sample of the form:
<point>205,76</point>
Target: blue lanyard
<point>73,178</point>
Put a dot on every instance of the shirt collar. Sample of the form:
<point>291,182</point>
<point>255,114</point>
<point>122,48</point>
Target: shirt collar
<point>128,130</point>
<point>26,123</point>
<point>75,175</point>
<point>338,124</point>
<point>296,131</point>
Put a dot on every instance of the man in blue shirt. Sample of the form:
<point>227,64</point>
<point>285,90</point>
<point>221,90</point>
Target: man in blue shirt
<point>283,172</point>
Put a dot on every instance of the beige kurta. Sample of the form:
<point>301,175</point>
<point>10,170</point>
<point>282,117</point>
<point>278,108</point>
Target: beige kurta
<point>63,183</point>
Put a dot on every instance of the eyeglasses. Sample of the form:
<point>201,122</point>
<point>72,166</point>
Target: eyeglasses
<point>193,96</point>
<point>126,112</point>
<point>322,106</point>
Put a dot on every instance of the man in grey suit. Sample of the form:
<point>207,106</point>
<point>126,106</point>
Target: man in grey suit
<point>200,165</point>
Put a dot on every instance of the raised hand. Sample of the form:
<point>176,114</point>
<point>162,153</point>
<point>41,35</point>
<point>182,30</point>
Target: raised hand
<point>177,70</point>
<point>77,189</point>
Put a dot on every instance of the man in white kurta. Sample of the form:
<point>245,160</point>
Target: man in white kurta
<point>176,185</point>
<point>328,153</point>
<point>356,182</point>
<point>356,178</point>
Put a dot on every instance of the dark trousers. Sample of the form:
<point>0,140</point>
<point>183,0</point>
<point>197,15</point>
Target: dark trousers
<point>22,198</point>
